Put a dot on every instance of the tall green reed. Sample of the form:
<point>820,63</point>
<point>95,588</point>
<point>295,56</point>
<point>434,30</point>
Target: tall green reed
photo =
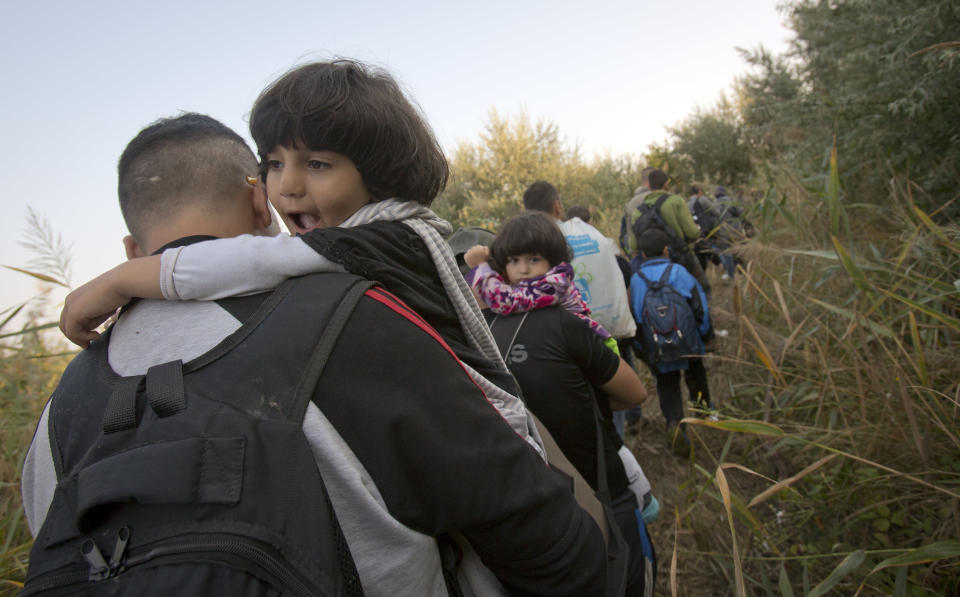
<point>31,361</point>
<point>844,414</point>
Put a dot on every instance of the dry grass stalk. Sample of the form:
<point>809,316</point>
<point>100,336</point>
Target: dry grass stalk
<point>721,480</point>
<point>789,482</point>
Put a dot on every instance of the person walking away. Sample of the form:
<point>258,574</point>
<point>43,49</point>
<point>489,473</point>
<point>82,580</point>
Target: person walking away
<point>674,320</point>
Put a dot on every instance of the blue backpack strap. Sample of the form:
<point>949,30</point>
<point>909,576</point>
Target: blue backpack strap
<point>645,278</point>
<point>665,276</point>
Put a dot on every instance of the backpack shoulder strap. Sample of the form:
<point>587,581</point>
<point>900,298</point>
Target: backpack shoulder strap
<point>617,550</point>
<point>164,383</point>
<point>661,282</point>
<point>505,330</point>
<point>696,207</point>
<point>644,277</point>
<point>665,276</point>
<point>323,348</point>
<point>660,200</point>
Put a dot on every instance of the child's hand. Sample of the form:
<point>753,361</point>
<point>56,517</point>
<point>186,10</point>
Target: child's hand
<point>87,307</point>
<point>476,255</point>
<point>93,303</point>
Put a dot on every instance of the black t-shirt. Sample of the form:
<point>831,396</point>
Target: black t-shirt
<point>559,362</point>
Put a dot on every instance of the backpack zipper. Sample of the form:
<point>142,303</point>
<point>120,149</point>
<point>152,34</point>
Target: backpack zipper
<point>245,551</point>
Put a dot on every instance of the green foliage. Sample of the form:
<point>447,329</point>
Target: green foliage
<point>881,75</point>
<point>52,256</point>
<point>29,370</point>
<point>30,366</point>
<point>709,146</point>
<point>853,345</point>
<point>490,176</point>
<point>767,100</point>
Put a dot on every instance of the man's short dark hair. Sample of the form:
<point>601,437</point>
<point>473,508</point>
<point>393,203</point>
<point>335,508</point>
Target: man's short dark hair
<point>694,190</point>
<point>652,243</point>
<point>658,180</point>
<point>645,176</point>
<point>579,211</point>
<point>357,111</point>
<point>530,232</point>
<point>179,161</point>
<point>540,196</point>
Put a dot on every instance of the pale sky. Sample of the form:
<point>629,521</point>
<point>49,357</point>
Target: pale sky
<point>80,79</point>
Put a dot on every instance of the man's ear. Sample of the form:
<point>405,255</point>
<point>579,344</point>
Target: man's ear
<point>263,215</point>
<point>131,247</point>
<point>557,210</point>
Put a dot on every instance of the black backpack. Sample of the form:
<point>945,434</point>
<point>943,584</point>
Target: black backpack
<point>650,218</point>
<point>196,478</point>
<point>706,216</point>
<point>669,326</point>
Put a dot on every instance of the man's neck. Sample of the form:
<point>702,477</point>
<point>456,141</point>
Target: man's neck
<point>184,241</point>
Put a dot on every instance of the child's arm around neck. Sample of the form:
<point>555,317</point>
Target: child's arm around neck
<point>236,266</point>
<point>90,305</point>
<point>203,271</point>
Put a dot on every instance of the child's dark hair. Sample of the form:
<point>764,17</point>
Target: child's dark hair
<point>360,112</point>
<point>652,243</point>
<point>180,161</point>
<point>530,232</point>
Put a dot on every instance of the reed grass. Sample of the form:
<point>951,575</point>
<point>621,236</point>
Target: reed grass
<point>30,366</point>
<point>836,466</point>
<point>31,361</point>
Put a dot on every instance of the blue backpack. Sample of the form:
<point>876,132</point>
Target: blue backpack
<point>669,327</point>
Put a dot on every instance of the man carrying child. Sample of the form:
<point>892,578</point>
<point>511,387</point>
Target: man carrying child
<point>399,452</point>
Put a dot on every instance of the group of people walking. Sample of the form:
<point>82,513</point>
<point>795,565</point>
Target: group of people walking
<point>331,413</point>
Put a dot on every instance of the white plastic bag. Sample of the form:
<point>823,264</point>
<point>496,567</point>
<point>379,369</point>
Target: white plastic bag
<point>598,277</point>
<point>637,481</point>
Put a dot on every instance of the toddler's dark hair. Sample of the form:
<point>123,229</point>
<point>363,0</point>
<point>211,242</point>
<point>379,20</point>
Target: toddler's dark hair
<point>530,232</point>
<point>360,112</point>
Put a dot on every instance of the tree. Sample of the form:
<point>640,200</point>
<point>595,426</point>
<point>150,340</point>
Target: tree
<point>489,177</point>
<point>882,76</point>
<point>709,144</point>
